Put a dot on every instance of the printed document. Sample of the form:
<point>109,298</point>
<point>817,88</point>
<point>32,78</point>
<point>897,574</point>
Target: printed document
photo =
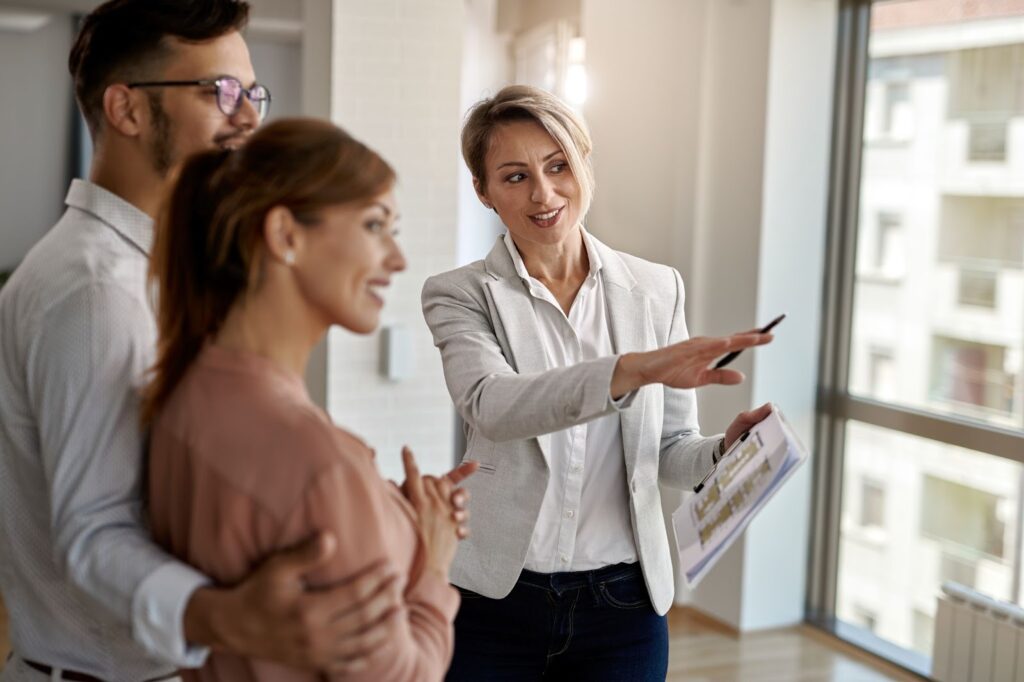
<point>743,481</point>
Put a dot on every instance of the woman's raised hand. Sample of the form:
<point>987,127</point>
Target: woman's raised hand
<point>686,364</point>
<point>431,497</point>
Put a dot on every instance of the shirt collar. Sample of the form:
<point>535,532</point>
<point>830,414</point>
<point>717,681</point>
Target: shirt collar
<point>517,260</point>
<point>124,218</point>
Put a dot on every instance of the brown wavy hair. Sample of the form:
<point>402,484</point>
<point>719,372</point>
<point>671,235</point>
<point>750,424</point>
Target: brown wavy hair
<point>209,235</point>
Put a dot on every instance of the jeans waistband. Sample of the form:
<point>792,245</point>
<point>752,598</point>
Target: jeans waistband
<point>570,580</point>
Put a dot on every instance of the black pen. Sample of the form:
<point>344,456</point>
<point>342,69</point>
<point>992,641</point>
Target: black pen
<point>736,353</point>
<point>700,486</point>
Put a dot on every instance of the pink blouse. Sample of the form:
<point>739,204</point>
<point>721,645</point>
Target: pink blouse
<point>242,463</point>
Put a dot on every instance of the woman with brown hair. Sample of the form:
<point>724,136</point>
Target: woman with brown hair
<point>257,253</point>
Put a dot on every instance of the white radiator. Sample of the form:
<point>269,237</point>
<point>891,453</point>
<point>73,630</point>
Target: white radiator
<point>977,638</point>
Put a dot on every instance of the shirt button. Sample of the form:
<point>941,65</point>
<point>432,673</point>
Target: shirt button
<point>577,467</point>
<point>569,513</point>
<point>565,558</point>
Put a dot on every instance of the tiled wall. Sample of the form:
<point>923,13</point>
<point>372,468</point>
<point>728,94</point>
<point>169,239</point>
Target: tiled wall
<point>396,66</point>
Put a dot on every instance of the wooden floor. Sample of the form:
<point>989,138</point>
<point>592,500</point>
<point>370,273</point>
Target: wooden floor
<point>704,651</point>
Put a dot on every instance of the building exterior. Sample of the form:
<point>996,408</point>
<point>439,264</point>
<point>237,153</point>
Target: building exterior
<point>938,318</point>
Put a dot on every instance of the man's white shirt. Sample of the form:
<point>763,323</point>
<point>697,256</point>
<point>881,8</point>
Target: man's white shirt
<point>85,586</point>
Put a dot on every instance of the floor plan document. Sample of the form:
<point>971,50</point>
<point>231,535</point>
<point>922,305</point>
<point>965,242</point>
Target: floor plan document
<point>743,481</point>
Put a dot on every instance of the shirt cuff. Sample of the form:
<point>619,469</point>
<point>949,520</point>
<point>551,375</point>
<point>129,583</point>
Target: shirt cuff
<point>158,613</point>
<point>715,442</point>
<point>624,401</point>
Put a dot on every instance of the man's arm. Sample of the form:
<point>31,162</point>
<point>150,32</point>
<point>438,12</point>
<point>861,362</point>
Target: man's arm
<point>84,373</point>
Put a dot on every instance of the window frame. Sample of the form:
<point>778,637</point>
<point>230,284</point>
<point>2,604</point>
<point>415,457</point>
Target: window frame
<point>836,405</point>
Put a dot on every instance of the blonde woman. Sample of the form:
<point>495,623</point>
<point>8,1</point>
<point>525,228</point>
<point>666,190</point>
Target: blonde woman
<point>571,366</point>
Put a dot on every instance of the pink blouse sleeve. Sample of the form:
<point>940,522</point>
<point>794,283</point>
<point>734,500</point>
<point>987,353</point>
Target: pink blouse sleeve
<point>352,501</point>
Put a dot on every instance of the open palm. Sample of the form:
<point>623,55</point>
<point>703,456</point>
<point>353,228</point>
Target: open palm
<point>687,364</point>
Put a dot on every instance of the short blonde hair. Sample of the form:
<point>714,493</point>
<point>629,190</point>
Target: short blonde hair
<point>527,103</point>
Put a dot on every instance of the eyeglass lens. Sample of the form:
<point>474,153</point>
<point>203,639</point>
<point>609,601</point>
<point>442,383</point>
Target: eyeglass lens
<point>230,93</point>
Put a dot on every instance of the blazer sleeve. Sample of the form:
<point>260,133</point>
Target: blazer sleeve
<point>490,395</point>
<point>350,501</point>
<point>686,455</point>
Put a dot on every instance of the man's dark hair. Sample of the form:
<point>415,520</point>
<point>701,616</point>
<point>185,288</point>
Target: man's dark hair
<point>125,40</point>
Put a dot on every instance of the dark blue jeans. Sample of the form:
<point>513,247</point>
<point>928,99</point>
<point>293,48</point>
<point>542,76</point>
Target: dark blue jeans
<point>591,625</point>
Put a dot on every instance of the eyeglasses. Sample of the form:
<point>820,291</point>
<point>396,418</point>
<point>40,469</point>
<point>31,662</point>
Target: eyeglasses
<point>229,93</point>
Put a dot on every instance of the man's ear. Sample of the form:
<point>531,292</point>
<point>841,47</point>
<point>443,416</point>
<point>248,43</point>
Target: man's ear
<point>282,236</point>
<point>123,109</point>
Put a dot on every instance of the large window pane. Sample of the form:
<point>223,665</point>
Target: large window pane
<point>916,513</point>
<point>938,313</point>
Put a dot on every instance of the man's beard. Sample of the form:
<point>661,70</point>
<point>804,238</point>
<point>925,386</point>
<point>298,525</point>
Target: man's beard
<point>160,148</point>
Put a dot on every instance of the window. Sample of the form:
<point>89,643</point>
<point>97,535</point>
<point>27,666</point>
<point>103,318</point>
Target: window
<point>924,630</point>
<point>952,517</point>
<point>962,517</point>
<point>983,232</point>
<point>882,373</point>
<point>865,618</point>
<point>552,56</point>
<point>872,503</point>
<point>986,140</point>
<point>977,288</point>
<point>966,374</point>
<point>897,123</point>
<point>921,429</point>
<point>983,86</point>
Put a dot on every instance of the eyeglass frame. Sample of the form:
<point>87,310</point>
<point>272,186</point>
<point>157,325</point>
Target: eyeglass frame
<point>215,82</point>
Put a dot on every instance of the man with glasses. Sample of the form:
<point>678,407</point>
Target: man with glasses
<point>89,595</point>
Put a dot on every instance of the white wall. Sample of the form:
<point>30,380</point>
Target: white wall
<point>486,68</point>
<point>35,128</point>
<point>790,279</point>
<point>711,154</point>
<point>278,65</point>
<point>395,85</point>
<point>643,108</point>
<point>38,105</point>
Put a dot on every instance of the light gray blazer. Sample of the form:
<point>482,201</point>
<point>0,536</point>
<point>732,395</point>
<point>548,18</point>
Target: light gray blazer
<point>482,319</point>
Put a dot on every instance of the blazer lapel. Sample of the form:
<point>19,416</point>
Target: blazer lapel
<point>518,320</point>
<point>629,320</point>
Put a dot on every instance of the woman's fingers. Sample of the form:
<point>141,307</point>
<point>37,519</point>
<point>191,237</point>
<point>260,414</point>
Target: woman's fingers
<point>724,377</point>
<point>413,481</point>
<point>463,471</point>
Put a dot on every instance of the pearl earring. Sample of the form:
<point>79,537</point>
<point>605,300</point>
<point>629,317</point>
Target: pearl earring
<point>289,257</point>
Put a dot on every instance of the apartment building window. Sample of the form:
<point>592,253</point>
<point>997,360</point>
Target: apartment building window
<point>872,503</point>
<point>945,425</point>
<point>897,121</point>
<point>962,516</point>
<point>865,617</point>
<point>889,256</point>
<point>977,287</point>
<point>986,139</point>
<point>984,82</point>
<point>882,373</point>
<point>971,374</point>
